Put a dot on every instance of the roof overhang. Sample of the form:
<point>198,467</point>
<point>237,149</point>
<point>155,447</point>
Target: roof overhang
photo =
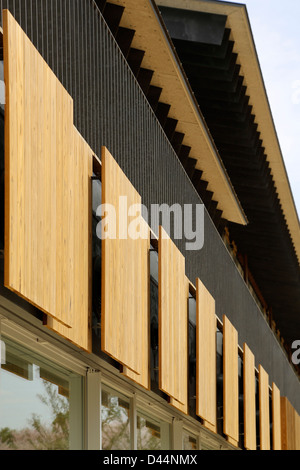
<point>238,23</point>
<point>160,56</point>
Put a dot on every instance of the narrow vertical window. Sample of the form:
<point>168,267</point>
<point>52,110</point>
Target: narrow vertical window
<point>115,421</point>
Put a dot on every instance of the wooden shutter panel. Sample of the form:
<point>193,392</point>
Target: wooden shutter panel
<point>173,320</point>
<point>264,409</point>
<point>41,187</point>
<point>206,395</point>
<point>176,404</point>
<point>249,400</point>
<point>125,275</point>
<point>289,425</point>
<point>230,384</point>
<point>78,273</point>
<point>143,339</point>
<point>297,431</point>
<point>276,418</point>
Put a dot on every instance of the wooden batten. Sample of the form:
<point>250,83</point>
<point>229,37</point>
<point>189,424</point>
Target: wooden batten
<point>276,418</point>
<point>249,399</point>
<point>125,276</point>
<point>230,382</point>
<point>48,166</point>
<point>173,291</point>
<point>206,327</point>
<point>264,409</point>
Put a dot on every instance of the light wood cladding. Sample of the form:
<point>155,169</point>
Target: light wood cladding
<point>230,381</point>
<point>173,320</point>
<point>297,443</point>
<point>125,273</point>
<point>276,418</point>
<point>47,200</point>
<point>264,409</point>
<point>206,367</point>
<point>183,407</point>
<point>143,337</point>
<point>249,399</point>
<point>78,264</point>
<point>290,427</point>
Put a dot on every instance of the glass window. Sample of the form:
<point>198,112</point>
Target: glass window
<point>115,421</point>
<point>35,401</point>
<point>96,253</point>
<point>219,381</point>
<point>241,402</point>
<point>192,355</point>
<point>148,433</point>
<point>154,359</point>
<point>189,441</point>
<point>2,85</point>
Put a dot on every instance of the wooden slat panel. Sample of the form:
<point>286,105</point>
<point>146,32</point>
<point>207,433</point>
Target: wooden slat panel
<point>289,426</point>
<point>143,336</point>
<point>284,425</point>
<point>41,188</point>
<point>276,418</point>
<point>206,375</point>
<point>264,409</point>
<point>230,384</point>
<point>297,431</point>
<point>78,258</point>
<point>125,273</point>
<point>249,400</point>
<point>173,320</point>
<point>183,407</point>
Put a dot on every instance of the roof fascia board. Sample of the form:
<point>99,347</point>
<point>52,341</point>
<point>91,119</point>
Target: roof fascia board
<point>238,22</point>
<point>160,56</point>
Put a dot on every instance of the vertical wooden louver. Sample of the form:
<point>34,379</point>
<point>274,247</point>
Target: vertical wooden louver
<point>290,427</point>
<point>276,418</point>
<point>206,379</point>
<point>264,409</point>
<point>125,273</point>
<point>230,384</point>
<point>47,230</point>
<point>249,400</point>
<point>173,321</point>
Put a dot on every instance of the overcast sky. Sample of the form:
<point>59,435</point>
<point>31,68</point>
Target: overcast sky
<point>276,29</point>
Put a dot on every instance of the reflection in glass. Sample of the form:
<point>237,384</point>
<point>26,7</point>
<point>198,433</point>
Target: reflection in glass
<point>2,85</point>
<point>189,442</point>
<point>241,402</point>
<point>148,434</point>
<point>192,355</point>
<point>34,402</point>
<point>154,319</point>
<point>219,381</point>
<point>115,422</point>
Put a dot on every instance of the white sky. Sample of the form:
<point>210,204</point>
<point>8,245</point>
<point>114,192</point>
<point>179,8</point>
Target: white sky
<point>276,29</point>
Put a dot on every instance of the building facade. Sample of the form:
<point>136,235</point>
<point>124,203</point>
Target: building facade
<point>150,243</point>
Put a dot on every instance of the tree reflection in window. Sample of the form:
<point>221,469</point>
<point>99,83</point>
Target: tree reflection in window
<point>189,442</point>
<point>148,434</point>
<point>115,422</point>
<point>38,434</point>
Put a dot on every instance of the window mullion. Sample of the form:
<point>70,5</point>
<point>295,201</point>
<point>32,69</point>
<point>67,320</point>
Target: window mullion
<point>133,422</point>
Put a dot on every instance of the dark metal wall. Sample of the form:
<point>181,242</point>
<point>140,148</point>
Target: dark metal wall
<point>110,109</point>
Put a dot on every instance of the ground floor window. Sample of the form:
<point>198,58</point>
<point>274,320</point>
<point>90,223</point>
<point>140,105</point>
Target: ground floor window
<point>148,433</point>
<point>126,425</point>
<point>115,421</point>
<point>189,441</point>
<point>38,401</point>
